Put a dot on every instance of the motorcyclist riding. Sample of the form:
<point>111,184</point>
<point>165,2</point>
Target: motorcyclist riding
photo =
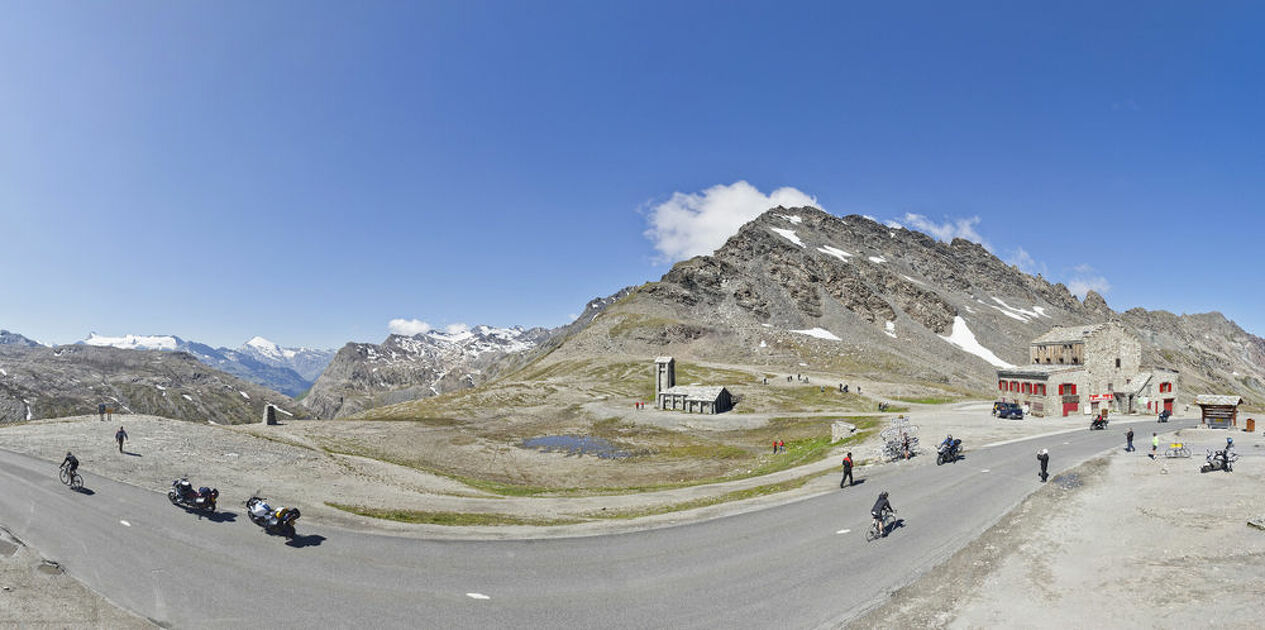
<point>881,507</point>
<point>71,463</point>
<point>948,440</point>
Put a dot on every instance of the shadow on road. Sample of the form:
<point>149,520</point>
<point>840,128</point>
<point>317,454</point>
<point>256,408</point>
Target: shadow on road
<point>84,491</point>
<point>129,453</point>
<point>855,482</point>
<point>221,517</point>
<point>312,540</point>
<point>896,524</point>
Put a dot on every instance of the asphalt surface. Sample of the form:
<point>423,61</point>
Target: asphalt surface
<point>804,564</point>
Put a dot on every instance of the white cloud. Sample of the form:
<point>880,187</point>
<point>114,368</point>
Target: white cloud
<point>690,224</point>
<point>456,329</point>
<point>894,225</point>
<point>1025,262</point>
<point>408,327</point>
<point>949,229</point>
<point>1085,280</point>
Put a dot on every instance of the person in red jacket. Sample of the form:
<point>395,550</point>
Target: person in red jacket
<point>847,471</point>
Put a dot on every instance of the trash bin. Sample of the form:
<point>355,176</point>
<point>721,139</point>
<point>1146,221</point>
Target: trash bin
<point>1251,425</point>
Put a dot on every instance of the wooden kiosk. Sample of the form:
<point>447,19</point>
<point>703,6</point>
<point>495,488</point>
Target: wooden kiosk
<point>1219,412</point>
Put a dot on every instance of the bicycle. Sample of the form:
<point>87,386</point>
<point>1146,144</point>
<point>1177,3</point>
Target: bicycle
<point>71,478</point>
<point>1177,449</point>
<point>879,526</point>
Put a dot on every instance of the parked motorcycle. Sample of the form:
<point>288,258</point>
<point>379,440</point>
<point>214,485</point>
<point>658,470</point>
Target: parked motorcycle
<point>183,495</point>
<point>273,520</point>
<point>1220,460</point>
<point>950,452</point>
<point>1098,424</point>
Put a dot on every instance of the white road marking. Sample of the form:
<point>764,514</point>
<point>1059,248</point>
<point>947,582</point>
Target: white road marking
<point>843,531</point>
<point>1067,442</point>
<point>126,524</point>
<point>477,596</point>
<point>984,470</point>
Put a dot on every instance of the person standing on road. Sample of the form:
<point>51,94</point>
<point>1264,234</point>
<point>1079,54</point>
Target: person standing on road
<point>847,471</point>
<point>1043,456</point>
<point>120,435</point>
<point>1155,444</point>
<point>1128,447</point>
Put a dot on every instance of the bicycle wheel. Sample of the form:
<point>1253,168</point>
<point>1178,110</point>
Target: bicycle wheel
<point>871,534</point>
<point>64,476</point>
<point>76,482</point>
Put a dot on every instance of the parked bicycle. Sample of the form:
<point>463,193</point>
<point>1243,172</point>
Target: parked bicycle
<point>1177,449</point>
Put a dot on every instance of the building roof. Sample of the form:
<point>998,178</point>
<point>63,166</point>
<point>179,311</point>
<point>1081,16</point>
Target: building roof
<point>1042,369</point>
<point>663,359</point>
<point>705,393</point>
<point>1212,399</point>
<point>1067,334</point>
<point>1136,383</point>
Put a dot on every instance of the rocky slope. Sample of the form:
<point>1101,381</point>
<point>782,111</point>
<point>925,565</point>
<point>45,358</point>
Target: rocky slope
<point>290,371</point>
<point>802,287</point>
<point>401,368</point>
<point>40,382</point>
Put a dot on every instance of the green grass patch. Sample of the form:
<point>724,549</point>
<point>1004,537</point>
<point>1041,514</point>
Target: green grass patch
<point>926,400</point>
<point>451,519</point>
<point>736,495</point>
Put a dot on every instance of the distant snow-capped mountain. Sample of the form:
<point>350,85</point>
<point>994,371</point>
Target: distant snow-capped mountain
<point>307,362</point>
<point>404,367</point>
<point>290,371</point>
<point>13,339</point>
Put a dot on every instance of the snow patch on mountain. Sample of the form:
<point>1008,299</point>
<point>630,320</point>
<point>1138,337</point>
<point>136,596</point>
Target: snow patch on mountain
<point>788,235</point>
<point>820,333</point>
<point>964,339</point>
<point>135,342</point>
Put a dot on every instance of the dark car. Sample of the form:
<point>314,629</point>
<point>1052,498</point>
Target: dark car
<point>1011,411</point>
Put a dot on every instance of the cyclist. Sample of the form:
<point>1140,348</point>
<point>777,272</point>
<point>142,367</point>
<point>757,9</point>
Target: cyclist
<point>70,464</point>
<point>880,509</point>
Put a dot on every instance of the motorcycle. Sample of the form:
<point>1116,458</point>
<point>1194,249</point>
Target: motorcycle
<point>1220,460</point>
<point>1164,416</point>
<point>1098,424</point>
<point>950,452</point>
<point>274,521</point>
<point>183,495</point>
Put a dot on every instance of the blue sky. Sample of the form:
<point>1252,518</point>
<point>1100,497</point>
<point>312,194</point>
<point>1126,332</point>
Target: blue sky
<point>309,172</point>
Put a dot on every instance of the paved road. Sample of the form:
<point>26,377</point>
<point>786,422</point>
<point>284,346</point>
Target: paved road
<point>790,565</point>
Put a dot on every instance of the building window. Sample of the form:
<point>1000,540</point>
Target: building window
<point>1041,389</point>
<point>1001,385</point>
<point>1117,363</point>
<point>1110,388</point>
<point>1067,389</point>
<point>1027,388</point>
<point>1166,388</point>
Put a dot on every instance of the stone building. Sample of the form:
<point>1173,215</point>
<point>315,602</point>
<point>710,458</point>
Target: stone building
<point>1087,369</point>
<point>689,398</point>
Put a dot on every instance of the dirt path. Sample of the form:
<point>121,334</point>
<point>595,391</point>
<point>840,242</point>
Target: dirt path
<point>1121,542</point>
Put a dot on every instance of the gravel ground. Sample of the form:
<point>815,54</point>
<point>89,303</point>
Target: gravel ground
<point>36,594</point>
<point>1121,542</point>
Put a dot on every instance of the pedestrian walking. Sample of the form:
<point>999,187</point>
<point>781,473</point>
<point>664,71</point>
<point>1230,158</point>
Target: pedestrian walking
<point>1155,444</point>
<point>1128,447</point>
<point>1043,456</point>
<point>775,447</point>
<point>120,435</point>
<point>905,443</point>
<point>101,411</point>
<point>847,471</point>
<point>781,446</point>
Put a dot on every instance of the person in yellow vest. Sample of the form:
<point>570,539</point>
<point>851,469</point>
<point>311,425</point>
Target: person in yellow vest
<point>1155,444</point>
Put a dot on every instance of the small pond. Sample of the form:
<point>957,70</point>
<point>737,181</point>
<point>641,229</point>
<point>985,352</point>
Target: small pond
<point>576,445</point>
